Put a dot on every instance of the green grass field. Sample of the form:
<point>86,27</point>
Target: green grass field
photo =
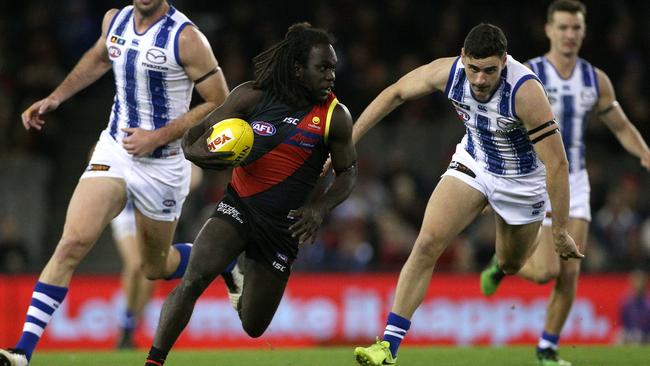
<point>409,356</point>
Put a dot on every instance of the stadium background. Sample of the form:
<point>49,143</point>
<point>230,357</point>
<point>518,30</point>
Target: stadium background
<point>400,160</point>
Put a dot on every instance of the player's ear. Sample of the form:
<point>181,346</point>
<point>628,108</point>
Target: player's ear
<point>297,67</point>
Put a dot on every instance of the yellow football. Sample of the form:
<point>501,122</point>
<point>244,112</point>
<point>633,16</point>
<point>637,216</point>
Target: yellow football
<point>232,134</point>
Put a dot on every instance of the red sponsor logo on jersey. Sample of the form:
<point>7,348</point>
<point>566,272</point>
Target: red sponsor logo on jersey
<point>303,140</point>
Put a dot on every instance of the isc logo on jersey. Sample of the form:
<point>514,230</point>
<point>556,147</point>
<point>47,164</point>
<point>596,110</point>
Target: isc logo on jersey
<point>263,128</point>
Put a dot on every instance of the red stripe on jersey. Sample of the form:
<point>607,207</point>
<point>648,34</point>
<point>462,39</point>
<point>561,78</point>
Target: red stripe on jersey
<point>284,160</point>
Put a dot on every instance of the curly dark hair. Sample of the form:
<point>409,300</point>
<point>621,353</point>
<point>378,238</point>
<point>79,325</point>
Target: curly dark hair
<point>274,68</point>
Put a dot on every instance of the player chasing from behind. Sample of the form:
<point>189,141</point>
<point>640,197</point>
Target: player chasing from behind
<point>157,56</point>
<point>266,213</point>
<point>575,89</point>
<point>510,154</point>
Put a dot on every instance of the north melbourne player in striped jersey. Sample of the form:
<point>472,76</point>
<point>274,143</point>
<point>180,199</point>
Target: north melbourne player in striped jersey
<point>575,89</point>
<point>157,56</point>
<point>511,153</point>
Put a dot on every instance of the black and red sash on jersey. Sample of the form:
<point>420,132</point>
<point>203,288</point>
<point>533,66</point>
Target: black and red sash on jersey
<point>286,158</point>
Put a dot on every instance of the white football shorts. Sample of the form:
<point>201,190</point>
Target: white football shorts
<point>518,200</point>
<point>579,193</point>
<point>157,187</point>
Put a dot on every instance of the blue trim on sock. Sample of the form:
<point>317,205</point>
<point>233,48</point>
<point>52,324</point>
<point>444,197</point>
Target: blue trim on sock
<point>28,340</point>
<point>231,266</point>
<point>27,344</point>
<point>128,321</point>
<point>184,251</point>
<point>56,292</point>
<point>551,337</point>
<point>400,322</point>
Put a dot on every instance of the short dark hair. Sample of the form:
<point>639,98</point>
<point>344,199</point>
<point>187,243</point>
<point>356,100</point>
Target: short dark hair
<point>485,40</point>
<point>571,6</point>
<point>274,68</point>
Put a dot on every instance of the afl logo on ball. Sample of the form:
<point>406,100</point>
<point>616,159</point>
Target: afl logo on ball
<point>263,128</point>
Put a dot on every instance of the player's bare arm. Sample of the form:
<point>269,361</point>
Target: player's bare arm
<point>532,108</point>
<point>202,67</point>
<point>611,113</point>
<point>344,157</point>
<point>424,80</point>
<point>238,104</point>
<point>92,65</point>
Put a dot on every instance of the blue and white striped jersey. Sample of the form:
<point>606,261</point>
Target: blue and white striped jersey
<point>495,137</point>
<point>571,99</point>
<point>151,86</point>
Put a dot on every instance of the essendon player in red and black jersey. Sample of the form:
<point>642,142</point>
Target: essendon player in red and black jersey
<point>268,209</point>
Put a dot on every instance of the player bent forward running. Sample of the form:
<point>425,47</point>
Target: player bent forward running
<point>266,213</point>
<point>510,154</point>
<point>575,89</point>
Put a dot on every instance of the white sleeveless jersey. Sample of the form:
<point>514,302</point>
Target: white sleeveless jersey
<point>571,99</point>
<point>151,86</point>
<point>495,137</point>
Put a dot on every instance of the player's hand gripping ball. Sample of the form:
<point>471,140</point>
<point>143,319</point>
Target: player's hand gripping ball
<point>231,135</point>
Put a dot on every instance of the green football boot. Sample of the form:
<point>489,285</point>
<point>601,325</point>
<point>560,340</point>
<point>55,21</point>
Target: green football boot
<point>377,354</point>
<point>549,357</point>
<point>491,276</point>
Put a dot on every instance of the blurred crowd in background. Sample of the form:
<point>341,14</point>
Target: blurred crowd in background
<point>400,161</point>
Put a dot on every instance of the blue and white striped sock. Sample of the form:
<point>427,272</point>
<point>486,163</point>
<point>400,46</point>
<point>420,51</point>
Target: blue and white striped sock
<point>184,249</point>
<point>45,300</point>
<point>396,327</point>
<point>128,321</point>
<point>548,340</point>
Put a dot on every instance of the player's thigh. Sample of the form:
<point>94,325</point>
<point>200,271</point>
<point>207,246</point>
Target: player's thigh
<point>154,237</point>
<point>127,248</point>
<point>93,205</point>
<point>544,259</point>
<point>124,235</point>
<point>218,243</point>
<point>453,205</point>
<point>263,290</point>
<point>515,243</point>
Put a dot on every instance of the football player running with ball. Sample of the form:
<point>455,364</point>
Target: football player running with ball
<point>266,212</point>
<point>510,155</point>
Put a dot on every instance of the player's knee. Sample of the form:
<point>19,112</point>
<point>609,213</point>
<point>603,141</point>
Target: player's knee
<point>429,246</point>
<point>253,330</point>
<point>545,275</point>
<point>152,272</point>
<point>70,250</point>
<point>193,286</point>
<point>510,266</point>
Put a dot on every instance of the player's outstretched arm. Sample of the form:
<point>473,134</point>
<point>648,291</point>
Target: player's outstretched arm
<point>535,112</point>
<point>343,157</point>
<point>238,104</point>
<point>201,66</point>
<point>424,80</point>
<point>92,65</point>
<point>610,112</point>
